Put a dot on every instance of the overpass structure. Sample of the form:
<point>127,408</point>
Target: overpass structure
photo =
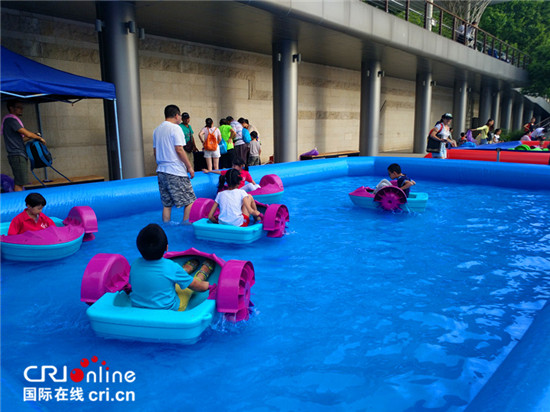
<point>348,34</point>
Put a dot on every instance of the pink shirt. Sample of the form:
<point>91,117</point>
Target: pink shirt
<point>23,223</point>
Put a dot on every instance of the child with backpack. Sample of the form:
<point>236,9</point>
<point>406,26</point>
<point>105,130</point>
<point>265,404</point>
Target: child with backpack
<point>211,138</point>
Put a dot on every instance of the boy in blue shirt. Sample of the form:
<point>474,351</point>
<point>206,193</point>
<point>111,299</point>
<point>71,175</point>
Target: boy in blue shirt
<point>154,278</point>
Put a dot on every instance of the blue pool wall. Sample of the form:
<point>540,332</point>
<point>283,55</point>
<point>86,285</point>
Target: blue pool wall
<point>123,197</point>
<point>523,379</point>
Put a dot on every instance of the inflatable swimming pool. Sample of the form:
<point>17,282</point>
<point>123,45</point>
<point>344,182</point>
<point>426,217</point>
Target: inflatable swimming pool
<point>55,242</point>
<point>389,198</point>
<point>112,315</point>
<point>273,225</point>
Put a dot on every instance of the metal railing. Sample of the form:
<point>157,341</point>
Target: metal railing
<point>452,27</point>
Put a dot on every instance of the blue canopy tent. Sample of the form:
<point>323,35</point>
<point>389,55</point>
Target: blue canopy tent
<point>26,79</point>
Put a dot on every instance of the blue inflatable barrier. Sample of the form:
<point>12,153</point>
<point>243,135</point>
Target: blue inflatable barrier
<point>110,199</point>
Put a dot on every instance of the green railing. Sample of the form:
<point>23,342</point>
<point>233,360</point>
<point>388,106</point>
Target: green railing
<point>438,20</point>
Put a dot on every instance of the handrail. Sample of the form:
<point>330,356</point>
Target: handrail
<point>449,25</point>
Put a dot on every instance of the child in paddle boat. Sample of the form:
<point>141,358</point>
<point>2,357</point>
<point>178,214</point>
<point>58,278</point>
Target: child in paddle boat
<point>236,206</point>
<point>32,218</point>
<point>403,181</point>
<point>239,165</point>
<point>159,283</point>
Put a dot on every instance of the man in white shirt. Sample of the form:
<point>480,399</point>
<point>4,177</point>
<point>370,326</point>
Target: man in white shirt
<point>173,165</point>
<point>538,133</point>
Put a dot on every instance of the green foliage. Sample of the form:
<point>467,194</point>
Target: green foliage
<point>508,136</point>
<point>524,24</point>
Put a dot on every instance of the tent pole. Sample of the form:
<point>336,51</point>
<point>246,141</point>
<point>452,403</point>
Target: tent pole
<point>118,140</point>
<point>39,120</point>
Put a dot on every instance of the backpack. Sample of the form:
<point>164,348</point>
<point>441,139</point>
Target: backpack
<point>433,145</point>
<point>38,154</point>
<point>211,142</point>
<point>223,147</point>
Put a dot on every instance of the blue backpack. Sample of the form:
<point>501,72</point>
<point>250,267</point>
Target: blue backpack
<point>40,157</point>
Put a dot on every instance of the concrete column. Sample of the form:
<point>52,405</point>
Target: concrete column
<point>460,106</point>
<point>119,65</point>
<point>369,126</point>
<point>495,107</point>
<point>518,123</point>
<point>528,111</point>
<point>429,15</point>
<point>484,105</point>
<point>506,120</point>
<point>285,100</point>
<point>422,110</point>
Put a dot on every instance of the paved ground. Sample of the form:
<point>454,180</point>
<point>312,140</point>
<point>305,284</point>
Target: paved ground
<point>400,154</point>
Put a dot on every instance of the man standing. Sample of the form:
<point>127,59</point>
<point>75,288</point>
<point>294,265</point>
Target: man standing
<point>189,147</point>
<point>15,136</point>
<point>240,147</point>
<point>172,165</point>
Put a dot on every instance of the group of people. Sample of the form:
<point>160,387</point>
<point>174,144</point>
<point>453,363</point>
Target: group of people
<point>174,169</point>
<point>532,132</point>
<point>440,137</point>
<point>159,283</point>
<point>221,145</point>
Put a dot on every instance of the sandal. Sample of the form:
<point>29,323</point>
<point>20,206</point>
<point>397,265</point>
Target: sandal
<point>192,264</point>
<point>206,269</point>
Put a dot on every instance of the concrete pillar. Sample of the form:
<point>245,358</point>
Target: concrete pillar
<point>484,105</point>
<point>528,112</point>
<point>460,102</point>
<point>422,110</point>
<point>518,123</point>
<point>495,107</point>
<point>429,14</point>
<point>506,120</point>
<point>119,65</point>
<point>369,126</point>
<point>285,100</point>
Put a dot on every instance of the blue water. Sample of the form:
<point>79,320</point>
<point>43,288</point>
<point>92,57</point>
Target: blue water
<point>355,309</point>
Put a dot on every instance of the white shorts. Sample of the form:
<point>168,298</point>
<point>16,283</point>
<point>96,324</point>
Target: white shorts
<point>215,154</point>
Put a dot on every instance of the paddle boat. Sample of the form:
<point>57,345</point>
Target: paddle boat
<point>105,286</point>
<point>271,190</point>
<point>54,242</point>
<point>389,198</point>
<point>273,223</point>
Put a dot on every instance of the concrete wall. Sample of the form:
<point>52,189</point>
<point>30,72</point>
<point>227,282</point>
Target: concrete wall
<point>206,82</point>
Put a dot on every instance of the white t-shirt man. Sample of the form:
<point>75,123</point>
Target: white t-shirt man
<point>165,137</point>
<point>231,203</point>
<point>538,132</point>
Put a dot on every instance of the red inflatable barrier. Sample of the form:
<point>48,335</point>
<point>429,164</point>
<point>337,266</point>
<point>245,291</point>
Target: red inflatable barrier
<point>536,143</point>
<point>506,156</point>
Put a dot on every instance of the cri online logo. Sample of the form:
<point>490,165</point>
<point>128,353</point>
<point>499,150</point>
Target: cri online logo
<point>36,373</point>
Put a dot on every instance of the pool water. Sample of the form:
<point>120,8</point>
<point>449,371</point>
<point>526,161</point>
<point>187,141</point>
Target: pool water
<point>355,309</point>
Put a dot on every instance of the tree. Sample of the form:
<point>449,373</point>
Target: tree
<point>469,10</point>
<point>524,24</point>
